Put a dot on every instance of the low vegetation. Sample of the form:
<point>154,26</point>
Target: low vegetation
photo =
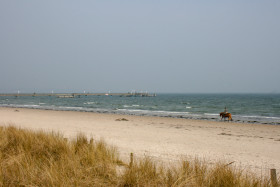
<point>31,158</point>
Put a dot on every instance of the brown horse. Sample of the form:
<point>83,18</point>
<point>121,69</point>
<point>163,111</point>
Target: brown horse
<point>225,115</point>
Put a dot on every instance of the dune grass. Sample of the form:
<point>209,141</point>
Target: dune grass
<point>29,158</point>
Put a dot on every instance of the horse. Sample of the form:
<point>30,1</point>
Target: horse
<point>225,115</point>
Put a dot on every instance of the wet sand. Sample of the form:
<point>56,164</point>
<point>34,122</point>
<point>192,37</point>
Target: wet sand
<point>253,146</point>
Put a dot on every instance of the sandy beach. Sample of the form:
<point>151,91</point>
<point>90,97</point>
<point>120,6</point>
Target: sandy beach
<point>253,146</point>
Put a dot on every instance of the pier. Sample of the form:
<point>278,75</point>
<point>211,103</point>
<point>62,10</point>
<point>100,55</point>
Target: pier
<point>73,95</point>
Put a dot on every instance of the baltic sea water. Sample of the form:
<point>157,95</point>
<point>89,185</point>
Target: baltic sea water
<point>245,108</point>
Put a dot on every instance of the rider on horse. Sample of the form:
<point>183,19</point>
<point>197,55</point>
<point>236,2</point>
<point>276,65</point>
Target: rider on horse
<point>225,115</point>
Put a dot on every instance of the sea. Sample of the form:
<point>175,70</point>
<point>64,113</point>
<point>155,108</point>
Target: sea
<point>245,108</point>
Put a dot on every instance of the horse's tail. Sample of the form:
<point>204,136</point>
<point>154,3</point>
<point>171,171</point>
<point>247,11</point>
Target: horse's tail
<point>230,118</point>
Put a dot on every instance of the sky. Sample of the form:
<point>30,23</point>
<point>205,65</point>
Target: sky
<point>161,46</point>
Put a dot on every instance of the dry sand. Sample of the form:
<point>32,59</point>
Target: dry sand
<point>252,146</point>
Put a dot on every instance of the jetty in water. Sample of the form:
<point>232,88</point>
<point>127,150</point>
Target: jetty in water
<point>73,95</point>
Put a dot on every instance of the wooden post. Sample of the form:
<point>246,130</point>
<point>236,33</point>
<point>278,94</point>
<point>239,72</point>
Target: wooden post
<point>273,178</point>
<point>91,141</point>
<point>131,160</point>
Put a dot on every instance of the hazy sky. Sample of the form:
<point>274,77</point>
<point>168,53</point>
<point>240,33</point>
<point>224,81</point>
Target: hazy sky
<point>155,45</point>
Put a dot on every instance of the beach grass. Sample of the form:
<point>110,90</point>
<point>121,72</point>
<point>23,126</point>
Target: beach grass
<point>37,158</point>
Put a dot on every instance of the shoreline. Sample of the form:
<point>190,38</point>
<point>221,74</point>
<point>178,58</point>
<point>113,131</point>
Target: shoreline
<point>253,146</point>
<point>214,118</point>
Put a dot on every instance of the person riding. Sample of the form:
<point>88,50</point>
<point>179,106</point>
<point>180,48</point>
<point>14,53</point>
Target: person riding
<point>225,110</point>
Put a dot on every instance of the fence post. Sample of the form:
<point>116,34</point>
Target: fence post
<point>131,160</point>
<point>273,178</point>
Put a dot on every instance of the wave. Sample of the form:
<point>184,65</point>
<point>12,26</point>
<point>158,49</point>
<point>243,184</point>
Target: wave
<point>72,108</point>
<point>210,114</point>
<point>89,103</point>
<point>20,106</point>
<point>127,106</point>
<point>50,107</point>
<point>31,105</point>
<point>257,117</point>
<point>130,106</point>
<point>153,111</point>
<point>172,112</point>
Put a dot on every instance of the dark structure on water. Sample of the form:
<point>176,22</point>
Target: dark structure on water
<point>72,95</point>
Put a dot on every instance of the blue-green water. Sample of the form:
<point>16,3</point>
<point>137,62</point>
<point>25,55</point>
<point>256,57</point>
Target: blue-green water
<point>252,108</point>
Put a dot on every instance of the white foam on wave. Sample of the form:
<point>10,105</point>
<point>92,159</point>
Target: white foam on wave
<point>133,110</point>
<point>265,117</point>
<point>130,106</point>
<point>170,112</point>
<point>31,106</point>
<point>188,107</point>
<point>153,112</point>
<point>89,103</point>
<point>210,114</point>
<point>271,117</point>
<point>71,108</point>
<point>21,106</point>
